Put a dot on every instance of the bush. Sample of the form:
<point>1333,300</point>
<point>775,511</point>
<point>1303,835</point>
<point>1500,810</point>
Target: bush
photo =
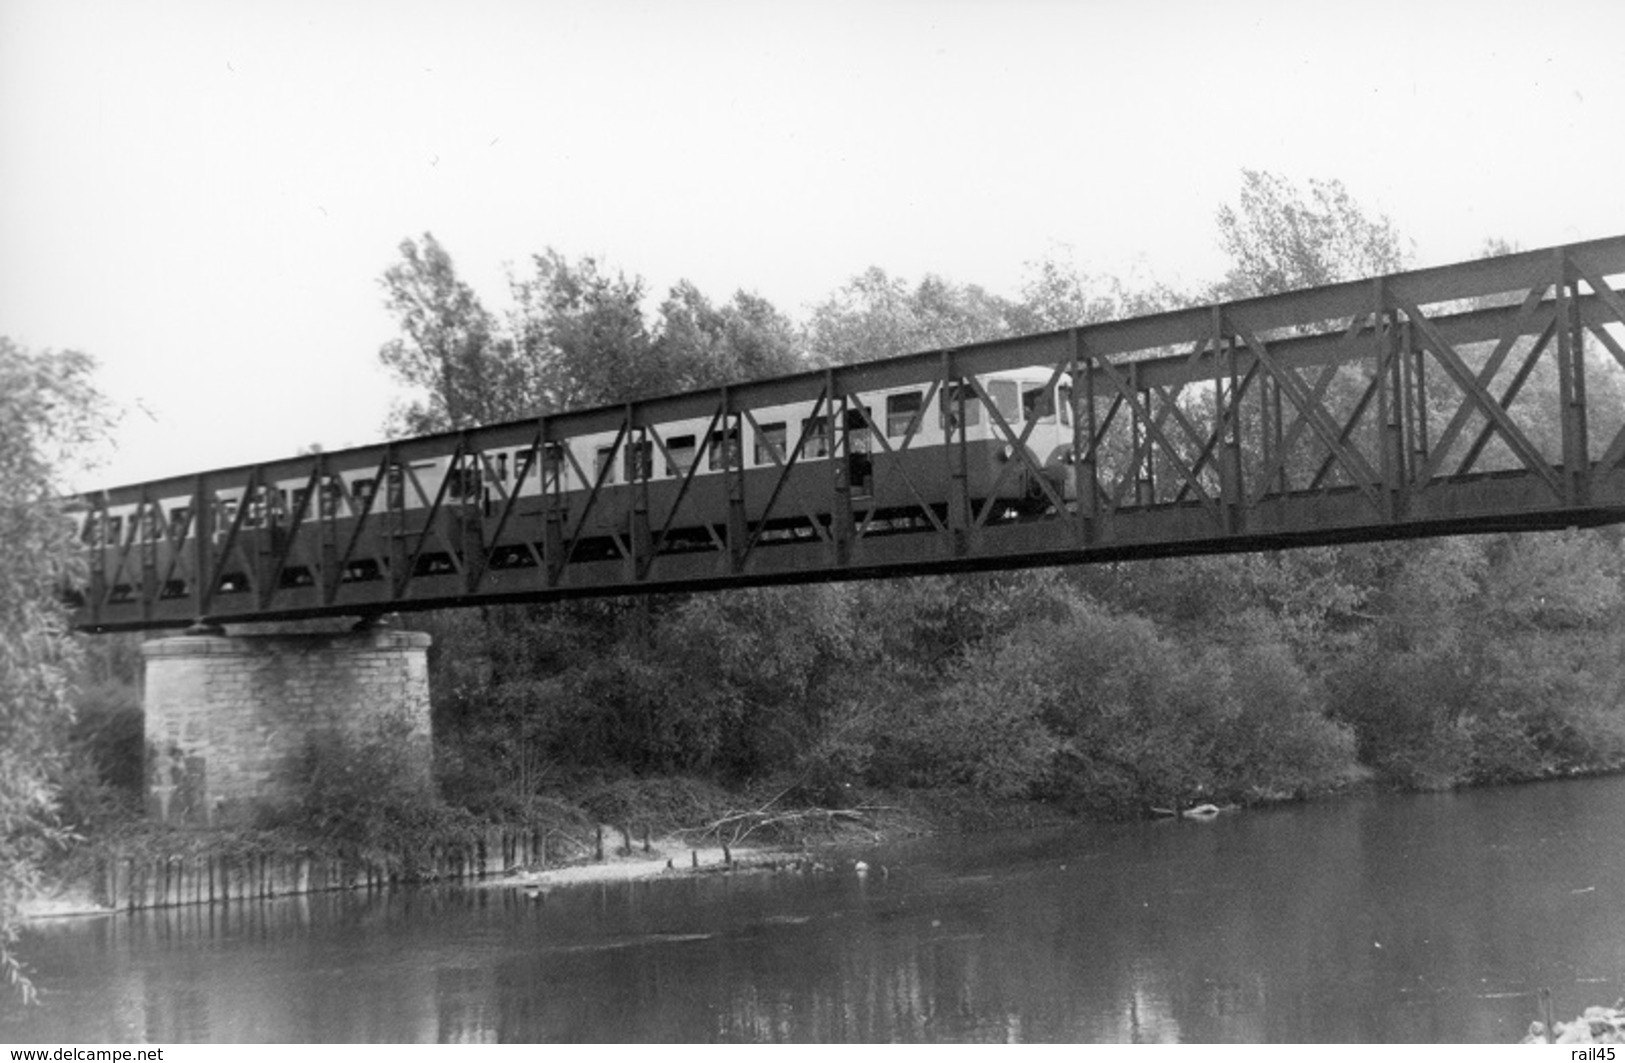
<point>365,794</point>
<point>100,778</point>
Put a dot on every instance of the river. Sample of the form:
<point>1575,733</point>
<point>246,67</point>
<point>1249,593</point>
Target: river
<point>1432,918</point>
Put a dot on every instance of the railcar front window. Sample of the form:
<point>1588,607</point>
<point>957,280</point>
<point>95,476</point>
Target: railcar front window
<point>1038,404</point>
<point>1005,399</point>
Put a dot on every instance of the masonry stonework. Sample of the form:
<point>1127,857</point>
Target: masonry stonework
<point>231,721</point>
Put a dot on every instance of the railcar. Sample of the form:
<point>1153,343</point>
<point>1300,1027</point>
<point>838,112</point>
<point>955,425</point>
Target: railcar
<point>895,455</point>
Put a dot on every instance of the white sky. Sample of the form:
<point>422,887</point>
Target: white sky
<point>204,195</point>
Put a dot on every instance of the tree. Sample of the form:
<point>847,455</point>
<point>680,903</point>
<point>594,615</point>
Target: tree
<point>701,345</point>
<point>49,412</point>
<point>875,315</point>
<point>451,350</point>
<point>1058,294</point>
<point>582,333</point>
<point>1281,237</point>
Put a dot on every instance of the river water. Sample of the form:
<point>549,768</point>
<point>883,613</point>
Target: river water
<point>1380,918</point>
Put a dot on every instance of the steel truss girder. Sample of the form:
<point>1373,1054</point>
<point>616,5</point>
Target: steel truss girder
<point>1407,405</point>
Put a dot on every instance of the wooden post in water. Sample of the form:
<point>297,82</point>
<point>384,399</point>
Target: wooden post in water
<point>600,849</point>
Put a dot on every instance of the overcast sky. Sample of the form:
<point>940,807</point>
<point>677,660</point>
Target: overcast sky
<point>204,195</point>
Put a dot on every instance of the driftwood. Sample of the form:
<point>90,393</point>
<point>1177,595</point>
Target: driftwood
<point>735,826</point>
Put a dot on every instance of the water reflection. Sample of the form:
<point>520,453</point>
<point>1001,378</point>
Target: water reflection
<point>1414,919</point>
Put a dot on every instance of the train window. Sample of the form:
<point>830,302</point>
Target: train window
<point>395,497</point>
<point>115,530</point>
<point>1005,399</point>
<point>1038,404</point>
<point>679,455</point>
<point>770,439</point>
<point>179,518</point>
<point>463,480</point>
<point>639,460</point>
<point>604,468</point>
<point>1066,403</point>
<point>299,495</point>
<point>901,410</point>
<point>723,453</point>
<point>815,433</point>
<point>502,468</point>
<point>151,521</point>
<point>363,491</point>
<point>948,406</point>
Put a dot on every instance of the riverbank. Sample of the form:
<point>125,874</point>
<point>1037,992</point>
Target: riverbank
<point>622,830</point>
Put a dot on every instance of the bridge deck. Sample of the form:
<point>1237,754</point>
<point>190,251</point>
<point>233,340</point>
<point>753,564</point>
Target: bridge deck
<point>1483,396</point>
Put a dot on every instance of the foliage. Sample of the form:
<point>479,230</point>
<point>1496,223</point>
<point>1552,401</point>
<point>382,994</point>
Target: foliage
<point>876,315</point>
<point>49,414</point>
<point>363,795</point>
<point>1280,237</point>
<point>451,353</point>
<point>1060,294</point>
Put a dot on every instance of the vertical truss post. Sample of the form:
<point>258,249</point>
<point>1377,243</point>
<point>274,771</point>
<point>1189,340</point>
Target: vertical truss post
<point>1145,487</point>
<point>1414,360</point>
<point>638,464</point>
<point>1392,442</point>
<point>148,545</point>
<point>393,523</point>
<point>469,508</point>
<point>202,533</point>
<point>840,510</point>
<point>1571,386</point>
<point>329,492</point>
<point>98,547</point>
<point>549,491</point>
<point>955,459</point>
<point>1283,480</point>
<point>734,473</point>
<point>1227,422</point>
<point>1266,432</point>
<point>268,543</point>
<point>1083,440</point>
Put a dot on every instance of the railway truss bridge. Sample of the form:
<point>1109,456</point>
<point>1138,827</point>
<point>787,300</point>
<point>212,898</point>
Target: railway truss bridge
<point>1482,396</point>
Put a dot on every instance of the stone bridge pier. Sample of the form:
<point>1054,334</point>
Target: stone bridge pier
<point>233,724</point>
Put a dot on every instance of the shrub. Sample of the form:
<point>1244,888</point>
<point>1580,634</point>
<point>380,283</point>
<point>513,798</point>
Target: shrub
<point>365,794</point>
